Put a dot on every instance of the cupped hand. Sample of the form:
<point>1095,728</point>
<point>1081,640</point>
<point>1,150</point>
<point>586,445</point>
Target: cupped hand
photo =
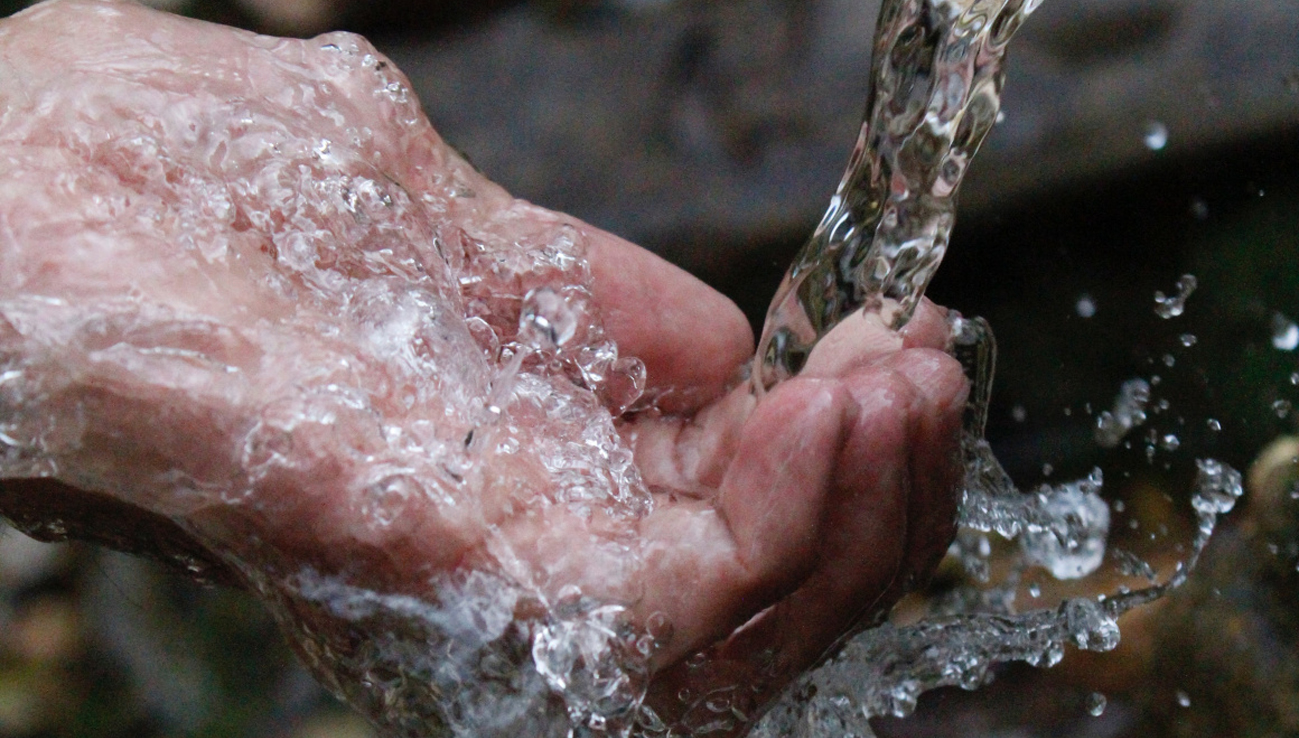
<point>254,313</point>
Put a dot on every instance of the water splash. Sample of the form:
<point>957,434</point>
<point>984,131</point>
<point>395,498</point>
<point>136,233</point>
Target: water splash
<point>1129,412</point>
<point>1172,307</point>
<point>936,84</point>
<point>884,671</point>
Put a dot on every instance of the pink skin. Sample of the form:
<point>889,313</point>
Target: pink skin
<point>780,524</point>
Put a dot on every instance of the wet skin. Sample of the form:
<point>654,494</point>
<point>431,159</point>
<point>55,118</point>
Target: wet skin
<point>780,524</point>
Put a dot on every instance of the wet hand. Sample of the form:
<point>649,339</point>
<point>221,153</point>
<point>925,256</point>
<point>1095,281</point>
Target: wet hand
<point>254,306</point>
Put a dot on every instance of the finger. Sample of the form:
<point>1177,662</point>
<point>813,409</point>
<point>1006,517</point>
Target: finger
<point>710,567</point>
<point>861,552</point>
<point>863,544</point>
<point>857,340</point>
<point>890,514</point>
<point>691,337</point>
<point>690,455</point>
<point>864,337</point>
<point>935,462</point>
<point>927,328</point>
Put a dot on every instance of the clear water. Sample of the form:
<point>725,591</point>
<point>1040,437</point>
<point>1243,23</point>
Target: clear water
<point>937,78</point>
<point>935,93</point>
<point>498,650</point>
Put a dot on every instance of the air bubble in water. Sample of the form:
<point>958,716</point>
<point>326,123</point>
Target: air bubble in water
<point>1034,590</point>
<point>1285,334</point>
<point>546,321</point>
<point>1282,408</point>
<point>1294,378</point>
<point>1170,442</point>
<point>1183,699</point>
<point>1155,136</point>
<point>1188,339</point>
<point>1095,704</point>
<point>1213,424</point>
<point>1171,307</point>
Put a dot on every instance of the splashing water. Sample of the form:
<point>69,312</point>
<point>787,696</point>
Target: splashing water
<point>491,652</point>
<point>885,670</point>
<point>1129,412</point>
<point>1172,307</point>
<point>936,92</point>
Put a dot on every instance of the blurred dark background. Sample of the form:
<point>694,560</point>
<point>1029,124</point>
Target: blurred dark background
<point>1142,140</point>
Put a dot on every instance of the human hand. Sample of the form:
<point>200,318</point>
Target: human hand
<point>255,308</point>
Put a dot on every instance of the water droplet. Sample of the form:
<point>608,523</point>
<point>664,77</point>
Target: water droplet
<point>1217,487</point>
<point>1199,209</point>
<point>1285,334</point>
<point>1073,544</point>
<point>1129,412</point>
<point>1294,378</point>
<point>1282,408</point>
<point>1155,135</point>
<point>1171,307</point>
<point>1169,360</point>
<point>1095,704</point>
<point>1183,698</point>
<point>1170,442</point>
<point>1085,307</point>
<point>1213,424</point>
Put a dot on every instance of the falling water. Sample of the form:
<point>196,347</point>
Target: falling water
<point>935,92</point>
